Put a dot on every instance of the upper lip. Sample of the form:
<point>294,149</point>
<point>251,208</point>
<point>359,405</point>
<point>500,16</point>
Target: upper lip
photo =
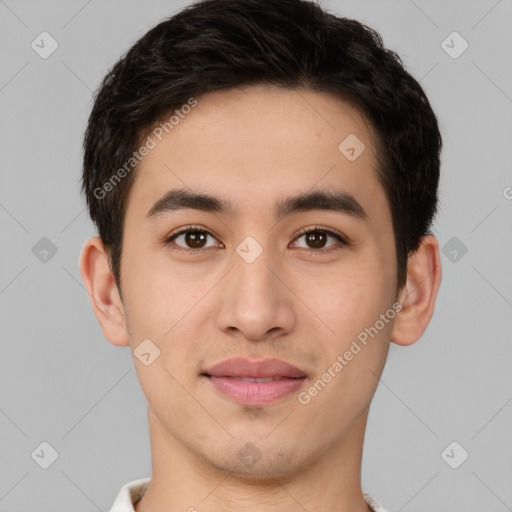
<point>256,368</point>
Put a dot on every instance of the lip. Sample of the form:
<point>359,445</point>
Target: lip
<point>257,368</point>
<point>237,379</point>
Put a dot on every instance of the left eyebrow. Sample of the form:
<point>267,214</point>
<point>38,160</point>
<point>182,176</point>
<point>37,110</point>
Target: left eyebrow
<point>337,201</point>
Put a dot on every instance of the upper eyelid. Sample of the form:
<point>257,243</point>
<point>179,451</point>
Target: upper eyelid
<point>187,229</point>
<point>330,231</point>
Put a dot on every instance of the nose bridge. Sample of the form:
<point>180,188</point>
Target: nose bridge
<point>254,301</point>
<point>253,279</point>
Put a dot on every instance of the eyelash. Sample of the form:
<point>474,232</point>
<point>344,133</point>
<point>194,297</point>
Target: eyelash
<point>303,232</point>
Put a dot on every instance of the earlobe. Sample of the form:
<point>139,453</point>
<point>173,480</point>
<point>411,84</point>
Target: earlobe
<point>419,294</point>
<point>103,293</point>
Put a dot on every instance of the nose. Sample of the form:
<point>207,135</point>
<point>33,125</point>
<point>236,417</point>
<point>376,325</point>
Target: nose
<point>255,301</point>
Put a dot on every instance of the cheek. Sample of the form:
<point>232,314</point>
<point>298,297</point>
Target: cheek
<point>150,296</point>
<point>167,305</point>
<point>348,299</point>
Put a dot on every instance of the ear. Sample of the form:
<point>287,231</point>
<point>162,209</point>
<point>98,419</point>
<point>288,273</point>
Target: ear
<point>102,289</point>
<point>418,296</point>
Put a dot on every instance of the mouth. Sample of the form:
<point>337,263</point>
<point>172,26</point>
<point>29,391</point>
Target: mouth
<point>255,382</point>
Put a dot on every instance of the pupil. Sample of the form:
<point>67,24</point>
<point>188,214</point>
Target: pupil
<point>195,239</point>
<point>316,239</point>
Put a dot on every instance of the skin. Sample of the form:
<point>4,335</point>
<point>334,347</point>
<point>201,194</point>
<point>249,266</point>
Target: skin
<point>253,147</point>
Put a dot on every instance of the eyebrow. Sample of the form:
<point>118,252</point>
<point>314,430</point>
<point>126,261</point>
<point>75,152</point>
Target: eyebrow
<point>337,201</point>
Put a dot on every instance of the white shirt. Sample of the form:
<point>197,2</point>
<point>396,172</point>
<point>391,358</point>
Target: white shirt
<point>133,491</point>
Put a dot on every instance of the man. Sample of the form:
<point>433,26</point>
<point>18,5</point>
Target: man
<point>263,176</point>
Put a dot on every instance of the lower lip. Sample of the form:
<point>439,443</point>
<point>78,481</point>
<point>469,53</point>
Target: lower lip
<point>255,393</point>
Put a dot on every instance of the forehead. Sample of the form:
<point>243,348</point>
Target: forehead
<point>255,144</point>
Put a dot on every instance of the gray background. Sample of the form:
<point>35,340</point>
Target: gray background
<point>63,384</point>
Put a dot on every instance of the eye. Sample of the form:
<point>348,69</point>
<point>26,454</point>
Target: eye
<point>191,239</point>
<point>318,237</point>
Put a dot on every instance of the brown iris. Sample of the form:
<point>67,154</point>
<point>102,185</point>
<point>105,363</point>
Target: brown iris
<point>316,239</point>
<point>195,239</point>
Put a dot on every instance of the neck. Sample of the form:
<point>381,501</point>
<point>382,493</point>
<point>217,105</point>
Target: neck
<point>187,481</point>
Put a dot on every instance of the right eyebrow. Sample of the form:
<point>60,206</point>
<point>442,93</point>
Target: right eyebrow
<point>177,199</point>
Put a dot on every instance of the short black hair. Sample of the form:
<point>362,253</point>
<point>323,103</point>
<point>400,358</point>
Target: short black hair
<point>216,45</point>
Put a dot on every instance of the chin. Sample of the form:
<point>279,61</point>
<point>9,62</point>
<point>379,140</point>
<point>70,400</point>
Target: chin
<point>249,463</point>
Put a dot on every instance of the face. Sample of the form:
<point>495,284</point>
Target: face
<point>290,257</point>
